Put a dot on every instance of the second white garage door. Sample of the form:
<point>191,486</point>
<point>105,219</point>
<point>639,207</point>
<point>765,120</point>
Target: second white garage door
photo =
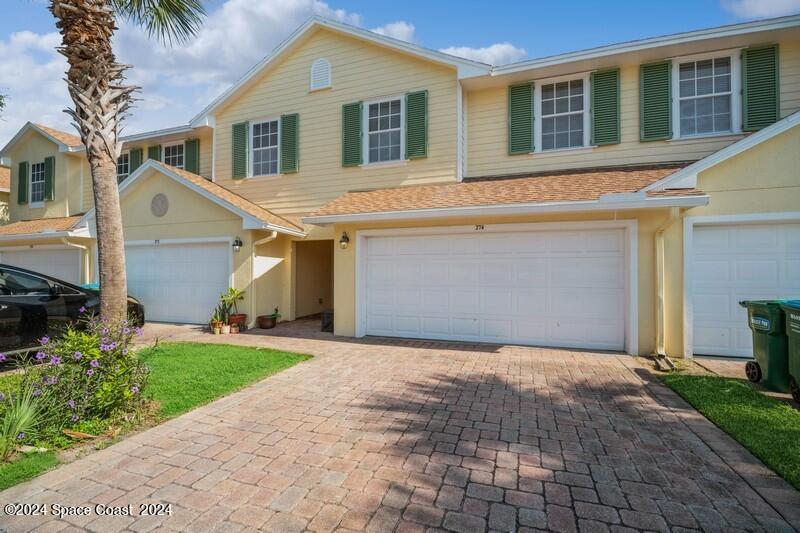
<point>738,262</point>
<point>178,282</point>
<point>60,263</point>
<point>549,288</point>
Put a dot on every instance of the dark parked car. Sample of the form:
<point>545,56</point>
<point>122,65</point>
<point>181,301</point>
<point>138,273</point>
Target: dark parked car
<point>33,305</point>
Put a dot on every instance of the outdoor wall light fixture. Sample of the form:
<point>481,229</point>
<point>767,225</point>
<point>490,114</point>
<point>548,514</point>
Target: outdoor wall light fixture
<point>344,241</point>
<point>237,244</point>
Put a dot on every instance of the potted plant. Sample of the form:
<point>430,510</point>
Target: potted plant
<point>269,321</point>
<point>216,321</point>
<point>230,298</point>
<point>234,328</point>
<point>224,317</point>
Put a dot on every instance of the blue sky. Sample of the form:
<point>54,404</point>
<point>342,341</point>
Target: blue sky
<point>177,83</point>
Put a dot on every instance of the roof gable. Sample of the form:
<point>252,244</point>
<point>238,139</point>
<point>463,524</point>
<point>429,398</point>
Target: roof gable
<point>253,216</point>
<point>66,142</point>
<point>464,67</point>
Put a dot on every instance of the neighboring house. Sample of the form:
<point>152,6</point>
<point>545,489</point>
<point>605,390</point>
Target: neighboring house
<point>5,190</point>
<point>621,198</point>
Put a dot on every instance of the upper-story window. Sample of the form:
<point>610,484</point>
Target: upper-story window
<point>561,114</point>
<point>707,100</point>
<point>384,127</point>
<point>123,166</point>
<point>37,183</point>
<point>173,154</point>
<point>264,137</point>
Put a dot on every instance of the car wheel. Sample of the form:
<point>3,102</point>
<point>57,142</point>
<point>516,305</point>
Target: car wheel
<point>753,371</point>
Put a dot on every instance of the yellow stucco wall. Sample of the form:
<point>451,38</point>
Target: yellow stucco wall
<point>359,72</point>
<point>764,179</point>
<point>487,152</point>
<point>648,221</point>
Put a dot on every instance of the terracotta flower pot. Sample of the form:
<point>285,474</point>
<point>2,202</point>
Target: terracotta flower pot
<point>238,319</point>
<point>267,321</point>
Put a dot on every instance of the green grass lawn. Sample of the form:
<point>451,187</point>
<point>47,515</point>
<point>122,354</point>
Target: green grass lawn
<point>186,375</point>
<point>769,428</point>
<point>183,376</point>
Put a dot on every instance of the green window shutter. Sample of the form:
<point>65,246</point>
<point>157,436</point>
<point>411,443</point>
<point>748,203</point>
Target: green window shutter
<point>351,134</point>
<point>239,148</point>
<point>761,98</point>
<point>49,178</point>
<point>417,125</point>
<point>520,119</point>
<point>655,101</point>
<point>154,152</point>
<point>135,160</point>
<point>191,161</point>
<point>290,153</point>
<point>605,107</point>
<point>22,183</point>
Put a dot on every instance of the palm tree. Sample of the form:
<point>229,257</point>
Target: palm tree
<point>96,83</point>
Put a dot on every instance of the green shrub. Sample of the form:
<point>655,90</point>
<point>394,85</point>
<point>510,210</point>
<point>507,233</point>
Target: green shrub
<point>20,416</point>
<point>88,374</point>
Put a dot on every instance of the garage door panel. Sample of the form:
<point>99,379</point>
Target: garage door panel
<point>738,262</point>
<point>178,282</point>
<point>531,287</point>
<point>63,264</point>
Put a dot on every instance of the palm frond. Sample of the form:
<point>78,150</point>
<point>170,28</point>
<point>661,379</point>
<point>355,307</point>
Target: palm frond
<point>171,21</point>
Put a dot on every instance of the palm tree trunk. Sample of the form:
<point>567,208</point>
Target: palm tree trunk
<point>95,82</point>
<point>110,240</point>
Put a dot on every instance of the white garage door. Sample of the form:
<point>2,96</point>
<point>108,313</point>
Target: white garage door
<point>61,263</point>
<point>739,262</point>
<point>548,288</point>
<point>178,282</point>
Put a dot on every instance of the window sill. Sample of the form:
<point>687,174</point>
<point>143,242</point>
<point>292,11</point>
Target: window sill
<point>721,136</point>
<point>563,151</point>
<point>385,164</point>
<point>264,176</point>
<point>36,205</point>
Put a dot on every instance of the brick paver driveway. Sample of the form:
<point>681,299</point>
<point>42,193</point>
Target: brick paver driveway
<point>387,435</point>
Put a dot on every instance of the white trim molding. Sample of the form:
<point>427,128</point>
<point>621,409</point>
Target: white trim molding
<point>689,224</point>
<point>686,178</point>
<point>631,270</point>
<point>616,202</point>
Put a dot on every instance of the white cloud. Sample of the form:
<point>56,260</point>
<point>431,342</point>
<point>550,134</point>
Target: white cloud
<point>753,9</point>
<point>495,54</point>
<point>399,30</point>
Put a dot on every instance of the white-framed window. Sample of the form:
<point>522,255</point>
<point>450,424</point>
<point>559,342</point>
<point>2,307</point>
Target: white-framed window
<point>123,166</point>
<point>561,113</point>
<point>174,154</point>
<point>37,184</point>
<point>706,95</point>
<point>265,147</point>
<point>384,127</point>
<point>320,74</point>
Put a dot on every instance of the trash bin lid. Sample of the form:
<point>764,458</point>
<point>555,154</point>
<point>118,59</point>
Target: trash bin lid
<point>794,304</point>
<point>766,303</point>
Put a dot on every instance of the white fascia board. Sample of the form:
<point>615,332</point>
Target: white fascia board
<point>653,42</point>
<point>30,125</point>
<point>186,128</point>
<point>77,232</point>
<point>615,204</point>
<point>686,178</point>
<point>466,68</point>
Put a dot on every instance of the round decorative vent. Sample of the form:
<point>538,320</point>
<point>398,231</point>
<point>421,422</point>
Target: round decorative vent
<point>159,205</point>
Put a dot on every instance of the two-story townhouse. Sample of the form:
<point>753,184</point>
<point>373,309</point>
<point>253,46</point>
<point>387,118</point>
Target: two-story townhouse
<point>621,198</point>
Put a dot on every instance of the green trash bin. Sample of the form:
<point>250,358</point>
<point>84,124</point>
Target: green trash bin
<point>771,367</point>
<point>792,310</point>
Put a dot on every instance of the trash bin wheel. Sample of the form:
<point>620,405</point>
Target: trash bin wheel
<point>795,388</point>
<point>753,371</point>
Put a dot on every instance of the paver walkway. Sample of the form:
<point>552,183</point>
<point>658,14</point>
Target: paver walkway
<point>390,435</point>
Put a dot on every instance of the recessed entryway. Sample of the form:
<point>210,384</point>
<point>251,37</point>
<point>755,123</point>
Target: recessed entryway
<point>313,277</point>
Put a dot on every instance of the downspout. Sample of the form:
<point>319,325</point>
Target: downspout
<point>265,240</point>
<point>661,325</point>
<point>84,257</point>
